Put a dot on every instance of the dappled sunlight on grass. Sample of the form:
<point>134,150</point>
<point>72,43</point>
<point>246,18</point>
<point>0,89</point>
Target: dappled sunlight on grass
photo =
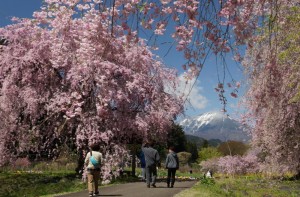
<point>252,185</point>
<point>20,183</point>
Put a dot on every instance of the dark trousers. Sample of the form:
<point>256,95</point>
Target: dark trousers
<point>171,176</point>
<point>151,174</point>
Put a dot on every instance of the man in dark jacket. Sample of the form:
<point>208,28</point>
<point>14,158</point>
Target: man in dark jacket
<point>143,165</point>
<point>172,164</point>
<point>152,159</point>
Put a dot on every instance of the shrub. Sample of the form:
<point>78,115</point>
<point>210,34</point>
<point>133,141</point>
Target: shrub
<point>207,181</point>
<point>21,163</point>
<point>208,153</point>
<point>195,167</point>
<point>238,165</point>
<point>233,164</point>
<point>184,158</point>
<point>211,164</point>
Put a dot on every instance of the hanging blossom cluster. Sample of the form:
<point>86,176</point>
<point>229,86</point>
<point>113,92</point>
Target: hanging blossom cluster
<point>197,27</point>
<point>67,78</point>
<point>272,65</point>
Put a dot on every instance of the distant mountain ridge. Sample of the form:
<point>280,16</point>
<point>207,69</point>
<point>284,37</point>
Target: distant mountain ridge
<point>214,125</point>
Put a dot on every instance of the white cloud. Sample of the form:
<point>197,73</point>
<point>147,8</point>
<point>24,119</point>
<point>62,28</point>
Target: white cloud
<point>192,91</point>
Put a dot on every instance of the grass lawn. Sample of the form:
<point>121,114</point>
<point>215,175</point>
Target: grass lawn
<point>47,183</point>
<point>241,186</point>
<point>37,184</point>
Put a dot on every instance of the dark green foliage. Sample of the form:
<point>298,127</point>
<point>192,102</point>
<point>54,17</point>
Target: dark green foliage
<point>192,148</point>
<point>186,143</point>
<point>205,144</point>
<point>207,181</point>
<point>177,138</point>
<point>214,142</point>
<point>201,142</point>
<point>162,151</point>
<point>196,140</point>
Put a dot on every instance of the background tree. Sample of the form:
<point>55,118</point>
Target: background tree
<point>208,153</point>
<point>81,64</point>
<point>232,148</point>
<point>205,144</point>
<point>201,142</point>
<point>192,148</point>
<point>273,68</point>
<point>195,140</point>
<point>67,78</point>
<point>176,138</point>
<point>184,158</point>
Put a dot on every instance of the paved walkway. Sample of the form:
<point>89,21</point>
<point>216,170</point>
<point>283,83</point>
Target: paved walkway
<point>138,189</point>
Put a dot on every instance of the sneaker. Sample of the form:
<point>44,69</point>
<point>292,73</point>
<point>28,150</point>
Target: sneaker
<point>96,194</point>
<point>153,185</point>
<point>90,194</point>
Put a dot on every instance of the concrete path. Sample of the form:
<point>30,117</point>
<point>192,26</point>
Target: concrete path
<point>138,189</point>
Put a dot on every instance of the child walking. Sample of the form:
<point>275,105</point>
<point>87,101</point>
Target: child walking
<point>172,164</point>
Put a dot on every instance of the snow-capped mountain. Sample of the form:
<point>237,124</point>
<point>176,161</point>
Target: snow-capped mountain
<point>214,125</point>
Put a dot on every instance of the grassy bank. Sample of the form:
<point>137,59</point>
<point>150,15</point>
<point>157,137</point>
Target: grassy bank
<point>254,186</point>
<point>49,182</point>
<point>43,180</point>
<point>32,184</point>
<point>28,184</point>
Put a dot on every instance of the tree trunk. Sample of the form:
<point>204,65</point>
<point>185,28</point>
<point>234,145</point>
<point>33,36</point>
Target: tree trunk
<point>133,161</point>
<point>80,163</point>
<point>297,176</point>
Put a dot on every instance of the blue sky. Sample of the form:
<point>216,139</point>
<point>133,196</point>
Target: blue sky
<point>203,96</point>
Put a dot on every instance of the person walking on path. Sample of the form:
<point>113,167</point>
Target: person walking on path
<point>172,164</point>
<point>92,162</point>
<point>152,159</point>
<point>143,165</point>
